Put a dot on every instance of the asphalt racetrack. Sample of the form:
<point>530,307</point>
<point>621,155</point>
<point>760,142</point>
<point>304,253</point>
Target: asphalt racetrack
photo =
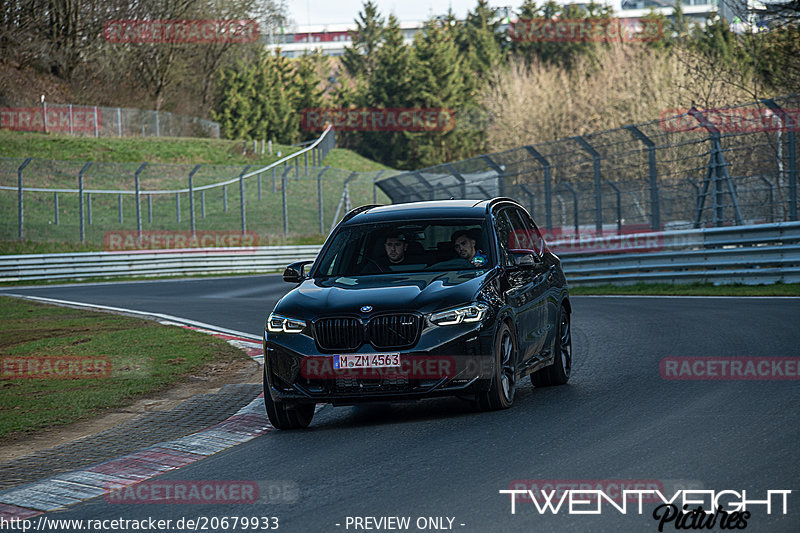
<point>442,465</point>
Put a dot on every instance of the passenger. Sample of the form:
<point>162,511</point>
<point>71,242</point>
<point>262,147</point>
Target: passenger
<point>464,245</point>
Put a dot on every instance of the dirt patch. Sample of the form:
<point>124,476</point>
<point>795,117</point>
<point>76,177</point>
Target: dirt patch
<point>208,379</point>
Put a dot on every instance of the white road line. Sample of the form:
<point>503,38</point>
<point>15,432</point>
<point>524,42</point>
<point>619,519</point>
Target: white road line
<point>172,318</point>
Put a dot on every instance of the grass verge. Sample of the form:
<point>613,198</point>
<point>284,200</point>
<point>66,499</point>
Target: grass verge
<point>141,356</point>
<point>690,289</point>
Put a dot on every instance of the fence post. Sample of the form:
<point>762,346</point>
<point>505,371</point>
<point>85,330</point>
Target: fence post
<point>284,186</point>
<point>418,175</point>
<point>273,179</point>
<point>224,198</point>
<point>96,133</point>
<point>150,208</point>
<point>178,206</point>
<point>619,206</point>
<point>191,195</point>
<point>305,162</point>
<point>20,206</point>
<point>89,207</point>
<point>548,195</point>
<point>70,119</point>
<point>119,123</point>
<point>138,202</point>
<point>80,199</point>
<point>598,192</point>
<point>119,207</point>
<point>158,126</point>
<point>531,196</point>
<point>258,179</point>
<point>296,168</point>
<point>375,186</point>
<point>771,197</point>
<point>574,204</point>
<point>241,198</point>
<point>55,205</point>
<point>457,175</point>
<point>655,205</point>
<point>791,154</point>
<point>203,203</point>
<point>44,115</point>
<point>501,177</point>
<point>319,198</point>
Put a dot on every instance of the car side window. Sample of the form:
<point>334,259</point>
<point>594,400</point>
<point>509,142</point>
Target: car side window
<point>527,236</point>
<point>504,233</point>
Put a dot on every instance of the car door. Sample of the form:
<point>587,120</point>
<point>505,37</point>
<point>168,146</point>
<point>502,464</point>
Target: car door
<point>520,288</point>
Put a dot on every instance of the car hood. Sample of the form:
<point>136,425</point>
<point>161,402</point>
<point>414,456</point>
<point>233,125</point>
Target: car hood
<point>424,292</point>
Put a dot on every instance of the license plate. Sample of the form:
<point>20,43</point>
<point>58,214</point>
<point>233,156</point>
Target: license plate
<point>354,360</point>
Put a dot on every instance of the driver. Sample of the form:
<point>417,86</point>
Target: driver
<point>395,246</point>
<point>464,245</point>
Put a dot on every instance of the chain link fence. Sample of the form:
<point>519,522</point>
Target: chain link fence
<point>98,121</point>
<point>689,169</point>
<point>88,201</point>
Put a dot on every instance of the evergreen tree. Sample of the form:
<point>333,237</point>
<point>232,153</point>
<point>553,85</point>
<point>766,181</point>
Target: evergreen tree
<point>308,89</point>
<point>359,59</point>
<point>233,110</point>
<point>480,41</point>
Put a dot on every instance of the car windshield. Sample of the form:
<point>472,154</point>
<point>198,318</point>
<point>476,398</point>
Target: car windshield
<point>409,246</point>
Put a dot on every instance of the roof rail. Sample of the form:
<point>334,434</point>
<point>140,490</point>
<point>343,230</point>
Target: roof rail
<point>492,201</point>
<point>353,212</point>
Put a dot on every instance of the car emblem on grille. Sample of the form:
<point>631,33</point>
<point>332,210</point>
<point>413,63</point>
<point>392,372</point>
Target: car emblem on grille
<point>366,309</point>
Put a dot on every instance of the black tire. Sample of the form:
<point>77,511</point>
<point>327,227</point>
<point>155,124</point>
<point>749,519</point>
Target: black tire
<point>501,391</point>
<point>558,373</point>
<point>283,417</point>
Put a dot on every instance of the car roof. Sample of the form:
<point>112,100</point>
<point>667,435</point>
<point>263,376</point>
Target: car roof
<point>419,210</point>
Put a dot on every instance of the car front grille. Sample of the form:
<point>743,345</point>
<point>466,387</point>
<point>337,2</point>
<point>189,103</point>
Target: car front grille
<point>394,331</point>
<point>339,333</point>
<point>384,332</point>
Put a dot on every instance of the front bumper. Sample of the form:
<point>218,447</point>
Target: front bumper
<point>446,361</point>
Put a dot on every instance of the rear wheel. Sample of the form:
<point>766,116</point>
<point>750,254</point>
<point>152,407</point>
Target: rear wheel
<point>282,416</point>
<point>558,373</point>
<point>501,391</point>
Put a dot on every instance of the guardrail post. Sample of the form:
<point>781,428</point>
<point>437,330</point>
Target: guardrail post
<point>241,199</point>
<point>55,205</point>
<point>598,192</point>
<point>178,206</point>
<point>531,196</point>
<point>305,163</point>
<point>284,186</point>
<point>655,207</point>
<point>20,205</point>
<point>791,153</point>
<point>319,198</point>
<point>548,194</point>
<point>501,177</point>
<point>191,196</point>
<point>119,207</point>
<point>80,199</point>
<point>138,202</point>
<point>619,206</point>
<point>574,204</point>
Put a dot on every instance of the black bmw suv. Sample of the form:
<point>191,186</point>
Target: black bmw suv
<point>405,301</point>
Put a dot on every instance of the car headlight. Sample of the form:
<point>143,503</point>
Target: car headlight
<point>282,324</point>
<point>458,315</point>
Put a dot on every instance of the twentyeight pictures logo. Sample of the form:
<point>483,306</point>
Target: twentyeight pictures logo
<point>181,31</point>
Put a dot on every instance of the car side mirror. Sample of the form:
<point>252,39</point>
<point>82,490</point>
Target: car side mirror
<point>295,273</point>
<point>523,258</point>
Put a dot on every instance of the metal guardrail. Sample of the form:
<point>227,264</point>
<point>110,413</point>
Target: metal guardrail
<point>765,253</point>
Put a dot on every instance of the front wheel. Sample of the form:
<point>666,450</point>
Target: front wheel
<point>282,416</point>
<point>558,373</point>
<point>501,391</point>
